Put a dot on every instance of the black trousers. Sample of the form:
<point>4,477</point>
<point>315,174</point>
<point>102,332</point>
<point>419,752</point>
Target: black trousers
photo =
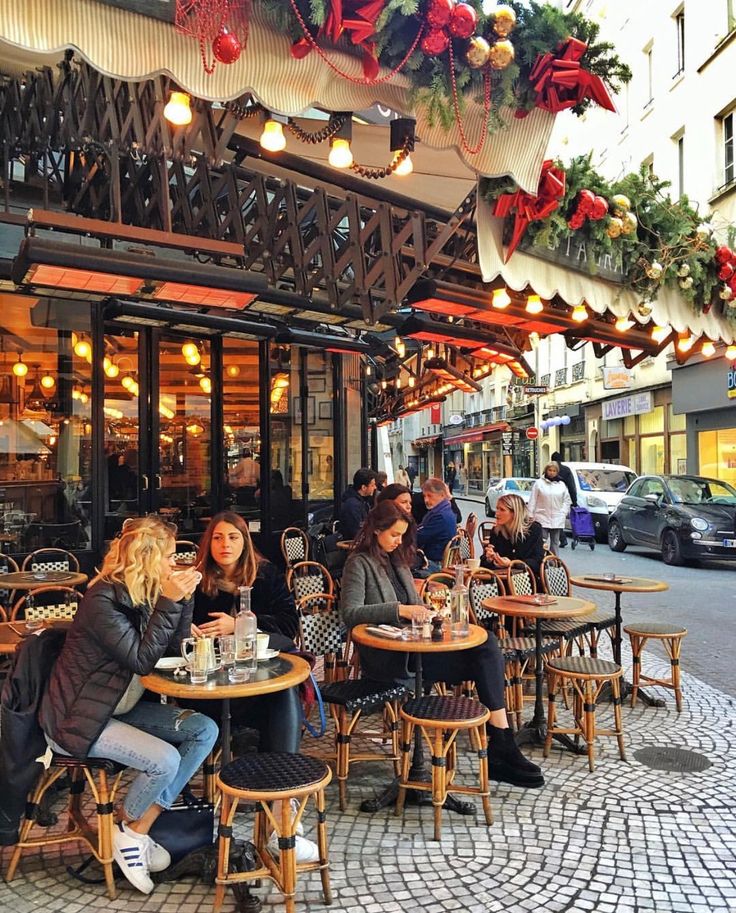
<point>483,665</point>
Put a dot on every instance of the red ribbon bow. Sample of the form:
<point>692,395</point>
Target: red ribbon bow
<point>356,17</point>
<point>527,207</point>
<point>561,82</point>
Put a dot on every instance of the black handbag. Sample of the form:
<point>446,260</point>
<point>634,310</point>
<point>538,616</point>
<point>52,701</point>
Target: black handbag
<point>186,827</point>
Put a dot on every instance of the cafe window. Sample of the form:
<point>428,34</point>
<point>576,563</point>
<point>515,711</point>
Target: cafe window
<point>652,422</point>
<point>286,437</point>
<point>45,424</point>
<point>242,429</point>
<point>320,438</point>
<point>677,422</point>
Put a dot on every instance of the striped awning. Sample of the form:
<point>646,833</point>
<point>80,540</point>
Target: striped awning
<point>129,46</point>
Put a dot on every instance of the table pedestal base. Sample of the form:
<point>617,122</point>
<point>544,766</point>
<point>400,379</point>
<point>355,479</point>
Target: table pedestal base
<point>414,797</point>
<point>535,733</point>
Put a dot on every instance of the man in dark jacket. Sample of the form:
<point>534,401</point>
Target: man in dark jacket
<point>566,477</point>
<point>356,502</point>
<point>439,524</point>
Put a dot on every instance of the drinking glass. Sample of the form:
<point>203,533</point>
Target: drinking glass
<point>198,666</point>
<point>227,650</point>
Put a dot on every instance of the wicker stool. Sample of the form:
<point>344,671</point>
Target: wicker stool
<point>587,676</point>
<point>263,779</point>
<point>439,720</point>
<point>671,636</point>
<point>95,772</point>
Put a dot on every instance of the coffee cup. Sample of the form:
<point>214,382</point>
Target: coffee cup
<point>473,563</point>
<point>262,641</point>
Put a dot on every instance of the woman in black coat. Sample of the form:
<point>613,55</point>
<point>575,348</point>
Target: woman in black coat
<point>126,621</point>
<point>515,537</point>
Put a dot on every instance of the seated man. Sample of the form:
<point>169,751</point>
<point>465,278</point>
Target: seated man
<point>439,524</point>
<point>356,502</point>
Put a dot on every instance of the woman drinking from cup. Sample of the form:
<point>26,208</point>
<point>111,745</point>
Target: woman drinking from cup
<point>228,561</point>
<point>131,614</point>
<point>377,588</point>
<point>515,537</point>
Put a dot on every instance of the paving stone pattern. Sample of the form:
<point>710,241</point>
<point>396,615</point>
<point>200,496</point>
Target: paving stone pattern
<point>624,838</point>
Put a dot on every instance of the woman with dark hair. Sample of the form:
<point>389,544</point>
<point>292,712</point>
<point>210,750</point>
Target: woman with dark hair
<point>399,494</point>
<point>228,560</point>
<point>377,588</point>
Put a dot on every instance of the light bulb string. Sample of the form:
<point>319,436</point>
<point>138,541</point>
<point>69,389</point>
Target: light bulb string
<point>364,80</point>
<point>333,126</point>
<point>376,174</point>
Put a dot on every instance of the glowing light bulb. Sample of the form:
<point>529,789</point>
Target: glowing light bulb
<point>579,313</point>
<point>178,110</point>
<point>341,155</point>
<point>194,359</point>
<point>708,349</point>
<point>623,324</point>
<point>206,384</point>
<point>83,398</point>
<point>83,349</point>
<point>232,370</point>
<point>500,299</point>
<point>412,381</point>
<point>731,353</point>
<point>113,371</point>
<point>534,305</point>
<point>273,139</point>
<point>685,343</point>
<point>48,382</point>
<point>128,381</point>
<point>659,334</point>
<point>404,167</point>
<point>20,368</point>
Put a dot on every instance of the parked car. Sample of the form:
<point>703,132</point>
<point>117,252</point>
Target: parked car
<point>684,517</point>
<point>600,487</point>
<point>518,485</point>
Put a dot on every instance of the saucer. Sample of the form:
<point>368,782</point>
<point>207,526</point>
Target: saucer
<point>171,662</point>
<point>269,654</point>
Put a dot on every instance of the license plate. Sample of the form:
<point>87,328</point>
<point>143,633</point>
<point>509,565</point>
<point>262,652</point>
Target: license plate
<point>729,543</point>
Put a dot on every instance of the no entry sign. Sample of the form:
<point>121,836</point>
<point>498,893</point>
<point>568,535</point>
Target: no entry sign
<point>532,433</point>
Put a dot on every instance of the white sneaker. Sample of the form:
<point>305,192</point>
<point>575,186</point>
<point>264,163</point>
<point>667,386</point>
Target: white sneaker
<point>158,856</point>
<point>130,851</point>
<point>294,809</point>
<point>306,851</point>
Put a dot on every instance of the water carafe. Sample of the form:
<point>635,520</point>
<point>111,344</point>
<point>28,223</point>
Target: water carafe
<point>459,605</point>
<point>246,628</point>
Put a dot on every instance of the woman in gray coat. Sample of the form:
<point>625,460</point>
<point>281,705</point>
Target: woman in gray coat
<point>377,588</point>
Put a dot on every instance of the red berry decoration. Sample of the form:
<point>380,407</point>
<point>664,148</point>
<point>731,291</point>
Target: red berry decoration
<point>600,209</point>
<point>463,21</point>
<point>723,255</point>
<point>586,199</point>
<point>226,47</point>
<point>725,272</point>
<point>439,12</point>
<point>435,42</point>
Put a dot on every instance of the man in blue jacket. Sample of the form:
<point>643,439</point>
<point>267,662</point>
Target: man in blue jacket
<point>356,502</point>
<point>439,524</point>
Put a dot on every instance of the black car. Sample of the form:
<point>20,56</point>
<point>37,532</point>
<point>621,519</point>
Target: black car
<point>684,517</point>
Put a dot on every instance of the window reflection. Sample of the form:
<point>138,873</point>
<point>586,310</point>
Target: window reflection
<point>241,428</point>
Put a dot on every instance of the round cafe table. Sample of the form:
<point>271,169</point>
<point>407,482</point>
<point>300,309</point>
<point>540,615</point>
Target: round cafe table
<point>28,580</point>
<point>13,633</point>
<point>619,585</point>
<point>535,731</point>
<point>361,635</point>
<point>345,544</point>
<point>283,671</point>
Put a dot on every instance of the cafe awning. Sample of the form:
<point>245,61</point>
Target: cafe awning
<point>477,434</point>
<point>421,443</point>
<point>267,70</point>
<point>525,271</point>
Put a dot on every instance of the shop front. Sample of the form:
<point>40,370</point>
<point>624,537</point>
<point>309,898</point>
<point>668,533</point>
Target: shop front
<point>478,457</point>
<point>704,398</point>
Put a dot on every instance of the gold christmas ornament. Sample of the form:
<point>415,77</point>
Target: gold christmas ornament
<point>630,224</point>
<point>504,20</point>
<point>686,283</point>
<point>655,270</point>
<point>643,309</point>
<point>615,227</point>
<point>683,271</point>
<point>726,294</point>
<point>501,55</point>
<point>478,52</point>
<point>702,232</point>
<point>621,204</point>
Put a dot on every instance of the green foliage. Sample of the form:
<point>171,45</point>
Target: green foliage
<point>670,232</point>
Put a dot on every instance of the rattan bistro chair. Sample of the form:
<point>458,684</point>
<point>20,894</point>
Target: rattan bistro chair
<point>7,566</point>
<point>294,546</point>
<point>307,578</point>
<point>556,582</point>
<point>484,584</point>
<point>44,560</point>
<point>47,603</point>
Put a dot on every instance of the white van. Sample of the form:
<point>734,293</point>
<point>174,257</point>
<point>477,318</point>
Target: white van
<point>600,487</point>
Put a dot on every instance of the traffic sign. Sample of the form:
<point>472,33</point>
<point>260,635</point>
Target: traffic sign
<point>532,433</point>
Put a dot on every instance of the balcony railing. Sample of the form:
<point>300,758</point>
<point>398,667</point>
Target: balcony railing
<point>578,371</point>
<point>546,380</point>
<point>560,377</point>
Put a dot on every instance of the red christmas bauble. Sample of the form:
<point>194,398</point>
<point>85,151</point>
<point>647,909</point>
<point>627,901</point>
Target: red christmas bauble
<point>586,199</point>
<point>435,41</point>
<point>463,21</point>
<point>725,272</point>
<point>723,254</point>
<point>732,283</point>
<point>439,12</point>
<point>600,209</point>
<point>576,221</point>
<point>226,47</point>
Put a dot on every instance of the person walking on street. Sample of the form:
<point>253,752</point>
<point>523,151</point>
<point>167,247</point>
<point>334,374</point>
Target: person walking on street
<point>450,475</point>
<point>402,477</point>
<point>411,471</point>
<point>462,479</point>
<point>567,478</point>
<point>549,505</point>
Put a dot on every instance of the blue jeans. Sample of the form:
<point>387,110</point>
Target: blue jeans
<point>166,744</point>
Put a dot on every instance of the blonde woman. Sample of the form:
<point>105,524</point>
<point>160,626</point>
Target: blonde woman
<point>128,618</point>
<point>549,504</point>
<point>515,537</point>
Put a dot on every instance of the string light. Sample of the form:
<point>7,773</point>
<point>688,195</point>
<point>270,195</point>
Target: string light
<point>405,167</point>
<point>500,298</point>
<point>83,349</point>
<point>708,349</point>
<point>178,109</point>
<point>534,305</point>
<point>20,368</point>
<point>579,313</point>
<point>206,384</point>
<point>624,323</point>
<point>660,333</point>
<point>232,370</point>
<point>685,343</point>
<point>341,155</point>
<point>731,353</point>
<point>48,382</point>
<point>273,139</point>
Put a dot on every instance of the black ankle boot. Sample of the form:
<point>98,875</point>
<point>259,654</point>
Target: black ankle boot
<point>507,764</point>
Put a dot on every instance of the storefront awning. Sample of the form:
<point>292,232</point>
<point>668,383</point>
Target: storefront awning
<point>477,434</point>
<point>523,271</point>
<point>423,442</point>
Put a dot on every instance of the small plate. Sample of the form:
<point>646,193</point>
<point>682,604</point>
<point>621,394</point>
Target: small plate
<point>269,654</point>
<point>171,662</point>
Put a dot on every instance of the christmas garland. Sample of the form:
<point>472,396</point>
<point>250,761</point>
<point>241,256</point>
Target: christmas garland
<point>659,241</point>
<point>451,50</point>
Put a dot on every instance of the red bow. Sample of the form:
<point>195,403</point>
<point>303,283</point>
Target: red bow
<point>561,82</point>
<point>356,17</point>
<point>527,207</point>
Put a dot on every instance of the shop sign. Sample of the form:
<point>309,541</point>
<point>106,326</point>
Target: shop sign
<point>732,383</point>
<point>435,413</point>
<point>507,437</point>
<point>578,255</point>
<point>536,390</point>
<point>617,379</point>
<point>624,406</point>
<point>455,419</point>
<point>507,448</point>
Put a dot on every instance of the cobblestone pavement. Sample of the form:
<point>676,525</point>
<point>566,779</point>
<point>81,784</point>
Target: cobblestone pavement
<point>625,838</point>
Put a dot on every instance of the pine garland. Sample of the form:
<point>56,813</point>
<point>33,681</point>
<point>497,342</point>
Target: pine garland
<point>670,233</point>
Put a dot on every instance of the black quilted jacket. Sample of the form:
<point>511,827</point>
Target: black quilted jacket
<point>107,643</point>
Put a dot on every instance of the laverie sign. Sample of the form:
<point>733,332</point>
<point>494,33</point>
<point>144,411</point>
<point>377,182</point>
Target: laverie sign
<point>624,406</point>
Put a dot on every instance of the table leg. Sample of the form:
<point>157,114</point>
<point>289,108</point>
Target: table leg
<point>617,632</point>
<point>225,732</point>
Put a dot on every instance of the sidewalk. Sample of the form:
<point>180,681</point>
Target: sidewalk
<point>627,838</point>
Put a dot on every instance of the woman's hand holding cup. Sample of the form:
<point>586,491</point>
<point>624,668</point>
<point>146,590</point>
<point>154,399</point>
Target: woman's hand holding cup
<point>181,584</point>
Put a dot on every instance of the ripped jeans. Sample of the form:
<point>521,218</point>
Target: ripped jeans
<point>166,744</point>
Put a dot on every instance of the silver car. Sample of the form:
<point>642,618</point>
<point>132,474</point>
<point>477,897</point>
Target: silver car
<point>517,485</point>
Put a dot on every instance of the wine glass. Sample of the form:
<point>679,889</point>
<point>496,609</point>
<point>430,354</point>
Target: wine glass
<point>438,597</point>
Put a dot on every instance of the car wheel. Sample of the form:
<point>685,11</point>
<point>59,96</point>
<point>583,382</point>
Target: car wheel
<point>615,538</point>
<point>671,551</point>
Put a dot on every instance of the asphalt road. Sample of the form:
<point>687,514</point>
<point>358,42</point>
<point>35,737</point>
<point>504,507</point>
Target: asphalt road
<point>701,598</point>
